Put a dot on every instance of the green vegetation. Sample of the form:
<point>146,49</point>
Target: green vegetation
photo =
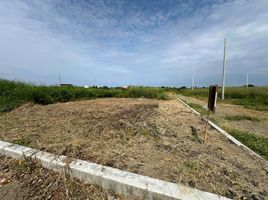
<point>253,97</point>
<point>13,94</point>
<point>202,111</point>
<point>257,143</point>
<point>23,141</point>
<point>192,165</point>
<point>241,117</point>
<point>198,108</point>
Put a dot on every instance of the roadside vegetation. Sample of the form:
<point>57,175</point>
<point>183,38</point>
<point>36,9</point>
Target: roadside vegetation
<point>13,94</point>
<point>252,97</point>
<point>198,108</point>
<point>241,117</point>
<point>257,143</point>
<point>254,141</point>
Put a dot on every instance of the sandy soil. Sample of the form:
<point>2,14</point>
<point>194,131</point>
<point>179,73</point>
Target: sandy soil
<point>222,110</point>
<point>150,137</point>
<point>28,180</point>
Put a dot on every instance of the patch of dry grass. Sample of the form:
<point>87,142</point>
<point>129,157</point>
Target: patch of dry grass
<point>28,180</point>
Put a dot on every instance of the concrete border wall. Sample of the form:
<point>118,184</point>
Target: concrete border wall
<point>231,138</point>
<point>118,181</point>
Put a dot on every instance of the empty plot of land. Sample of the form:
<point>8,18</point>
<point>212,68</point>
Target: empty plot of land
<point>149,137</point>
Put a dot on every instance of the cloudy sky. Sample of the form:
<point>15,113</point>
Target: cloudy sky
<point>133,42</point>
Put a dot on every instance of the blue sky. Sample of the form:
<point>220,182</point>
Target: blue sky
<point>133,42</point>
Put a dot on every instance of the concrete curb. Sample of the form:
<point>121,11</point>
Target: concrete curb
<point>115,180</point>
<point>231,138</point>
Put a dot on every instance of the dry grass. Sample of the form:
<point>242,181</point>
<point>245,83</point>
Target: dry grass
<point>28,180</point>
<point>148,137</point>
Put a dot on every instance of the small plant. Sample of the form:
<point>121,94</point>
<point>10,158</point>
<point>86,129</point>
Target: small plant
<point>195,134</point>
<point>192,165</point>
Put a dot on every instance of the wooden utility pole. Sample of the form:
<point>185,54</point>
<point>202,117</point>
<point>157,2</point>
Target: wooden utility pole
<point>223,70</point>
<point>212,99</point>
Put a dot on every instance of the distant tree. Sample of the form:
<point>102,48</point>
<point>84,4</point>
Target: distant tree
<point>249,85</point>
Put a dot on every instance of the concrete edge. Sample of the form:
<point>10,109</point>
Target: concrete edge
<point>118,181</point>
<point>219,129</point>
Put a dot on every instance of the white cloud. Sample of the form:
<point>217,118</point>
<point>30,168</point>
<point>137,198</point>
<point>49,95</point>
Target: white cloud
<point>126,43</point>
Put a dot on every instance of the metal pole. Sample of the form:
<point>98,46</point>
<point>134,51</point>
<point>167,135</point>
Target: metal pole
<point>247,80</point>
<point>193,78</point>
<point>223,70</point>
<point>59,79</point>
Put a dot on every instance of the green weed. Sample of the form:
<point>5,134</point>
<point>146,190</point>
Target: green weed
<point>257,143</point>
<point>192,165</point>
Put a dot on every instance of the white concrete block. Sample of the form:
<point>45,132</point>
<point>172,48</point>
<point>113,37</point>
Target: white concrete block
<point>118,181</point>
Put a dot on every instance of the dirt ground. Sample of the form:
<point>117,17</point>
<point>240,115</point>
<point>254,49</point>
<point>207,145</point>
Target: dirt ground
<point>259,127</point>
<point>28,180</point>
<point>160,139</point>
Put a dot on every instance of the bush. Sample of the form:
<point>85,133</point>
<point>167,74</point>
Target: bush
<point>41,97</point>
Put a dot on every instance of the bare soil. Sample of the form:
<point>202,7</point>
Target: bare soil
<point>160,139</point>
<point>223,109</point>
<point>28,180</point>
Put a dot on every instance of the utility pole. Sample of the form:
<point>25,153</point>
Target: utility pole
<point>193,78</point>
<point>59,79</point>
<point>247,80</point>
<point>223,70</point>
